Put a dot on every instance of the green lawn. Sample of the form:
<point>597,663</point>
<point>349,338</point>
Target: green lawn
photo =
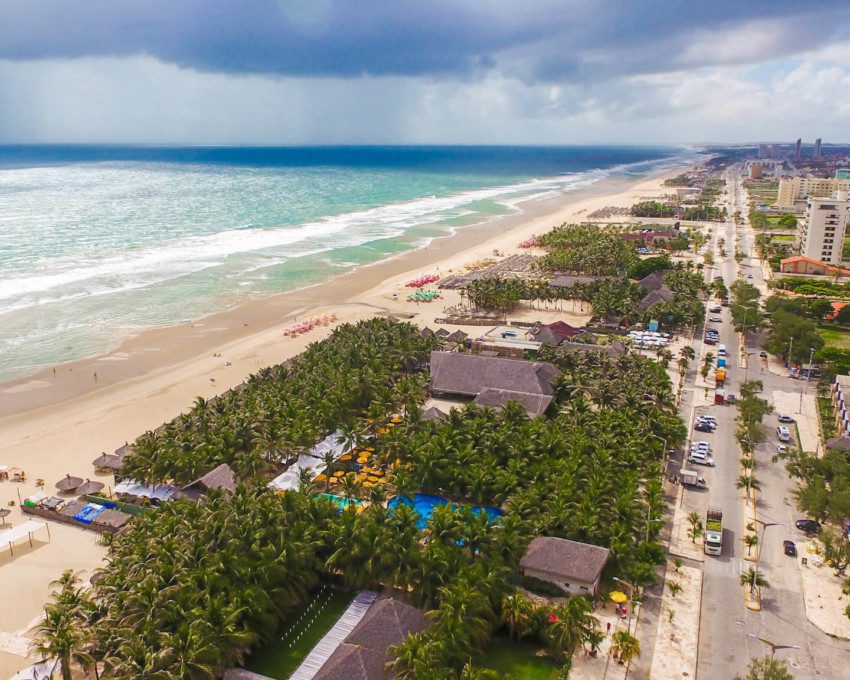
<point>517,660</point>
<point>784,237</point>
<point>835,337</point>
<point>278,659</point>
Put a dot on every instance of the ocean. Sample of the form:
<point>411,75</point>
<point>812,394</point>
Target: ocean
<point>100,242</point>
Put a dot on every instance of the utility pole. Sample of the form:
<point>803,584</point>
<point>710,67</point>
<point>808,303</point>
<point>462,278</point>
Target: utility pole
<point>808,374</point>
<point>773,646</point>
<point>764,526</point>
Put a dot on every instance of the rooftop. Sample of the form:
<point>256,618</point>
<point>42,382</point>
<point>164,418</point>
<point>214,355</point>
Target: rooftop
<point>564,558</point>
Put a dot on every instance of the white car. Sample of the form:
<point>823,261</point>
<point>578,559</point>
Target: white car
<point>701,446</point>
<point>781,448</point>
<point>700,458</point>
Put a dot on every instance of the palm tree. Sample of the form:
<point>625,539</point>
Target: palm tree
<point>696,526</point>
<point>753,579</point>
<point>572,627</point>
<point>624,646</point>
<point>516,614</point>
<point>749,483</point>
<point>750,540</point>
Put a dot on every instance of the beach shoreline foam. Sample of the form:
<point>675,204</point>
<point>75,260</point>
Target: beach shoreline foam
<point>57,424</point>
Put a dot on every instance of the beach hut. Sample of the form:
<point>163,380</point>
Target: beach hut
<point>426,332</point>
<point>458,336</point>
<point>89,487</point>
<point>220,477</point>
<point>442,333</point>
<point>68,483</point>
<point>432,413</point>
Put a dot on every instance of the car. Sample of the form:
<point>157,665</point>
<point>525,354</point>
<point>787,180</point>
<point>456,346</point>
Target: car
<point>749,276</point>
<point>703,427</point>
<point>763,354</point>
<point>715,309</point>
<point>706,418</point>
<point>810,526</point>
<point>785,419</point>
<point>715,319</point>
<point>781,448</point>
<point>699,458</point>
<point>700,446</point>
<point>783,433</point>
<point>789,548</point>
<point>710,341</point>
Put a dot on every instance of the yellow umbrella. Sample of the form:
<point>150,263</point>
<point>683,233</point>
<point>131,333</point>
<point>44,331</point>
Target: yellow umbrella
<point>372,478</point>
<point>396,420</point>
<point>321,478</point>
<point>346,456</point>
<point>618,597</point>
<point>370,449</point>
<point>368,485</point>
<point>338,473</point>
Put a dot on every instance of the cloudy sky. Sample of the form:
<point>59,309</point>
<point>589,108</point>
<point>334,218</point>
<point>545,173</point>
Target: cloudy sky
<point>423,71</point>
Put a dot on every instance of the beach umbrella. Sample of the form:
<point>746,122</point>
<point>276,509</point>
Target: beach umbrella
<point>321,478</point>
<point>618,597</point>
<point>4,512</point>
<point>69,483</point>
<point>346,456</point>
<point>108,461</point>
<point>88,487</point>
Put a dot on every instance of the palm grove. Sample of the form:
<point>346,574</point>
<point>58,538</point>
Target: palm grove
<point>193,588</point>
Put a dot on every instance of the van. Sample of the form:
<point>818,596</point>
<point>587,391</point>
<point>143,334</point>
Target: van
<point>783,433</point>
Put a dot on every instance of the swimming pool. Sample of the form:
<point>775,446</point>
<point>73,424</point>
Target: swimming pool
<point>339,501</point>
<point>424,505</point>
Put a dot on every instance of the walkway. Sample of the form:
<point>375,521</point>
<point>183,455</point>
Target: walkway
<point>319,655</point>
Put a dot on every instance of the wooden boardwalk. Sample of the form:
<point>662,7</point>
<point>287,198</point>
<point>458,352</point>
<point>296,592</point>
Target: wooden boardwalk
<point>332,639</point>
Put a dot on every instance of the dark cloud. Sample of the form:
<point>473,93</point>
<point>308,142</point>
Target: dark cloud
<point>541,40</point>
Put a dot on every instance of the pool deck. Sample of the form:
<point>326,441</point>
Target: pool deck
<point>319,655</point>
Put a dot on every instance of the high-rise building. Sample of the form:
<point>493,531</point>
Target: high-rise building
<point>795,190</point>
<point>817,148</point>
<point>763,151</point>
<point>774,150</point>
<point>821,234</point>
<point>842,174</point>
<point>797,149</point>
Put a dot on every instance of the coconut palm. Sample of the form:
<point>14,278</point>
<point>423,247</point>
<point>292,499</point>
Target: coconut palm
<point>572,627</point>
<point>517,613</point>
<point>750,540</point>
<point>624,646</point>
<point>753,579</point>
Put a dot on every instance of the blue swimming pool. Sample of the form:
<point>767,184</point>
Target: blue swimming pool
<point>424,505</point>
<point>339,501</point>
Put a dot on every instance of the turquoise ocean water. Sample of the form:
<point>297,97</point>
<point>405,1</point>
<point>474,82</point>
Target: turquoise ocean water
<point>97,243</point>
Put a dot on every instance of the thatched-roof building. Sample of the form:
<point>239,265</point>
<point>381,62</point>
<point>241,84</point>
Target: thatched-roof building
<point>494,380</point>
<point>575,567</point>
<point>220,477</point>
<point>432,413</point>
<point>458,336</point>
<point>615,349</point>
<point>363,655</point>
<point>554,333</point>
<point>653,297</point>
<point>653,281</point>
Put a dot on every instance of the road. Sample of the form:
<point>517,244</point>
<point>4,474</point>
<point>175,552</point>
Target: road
<point>725,647</point>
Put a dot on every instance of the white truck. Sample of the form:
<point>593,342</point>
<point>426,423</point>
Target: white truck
<point>692,478</point>
<point>713,531</point>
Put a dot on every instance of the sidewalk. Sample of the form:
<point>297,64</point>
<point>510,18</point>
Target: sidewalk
<point>603,666</point>
<point>681,544</point>
<point>807,421</point>
<point>822,594</point>
<point>677,639</point>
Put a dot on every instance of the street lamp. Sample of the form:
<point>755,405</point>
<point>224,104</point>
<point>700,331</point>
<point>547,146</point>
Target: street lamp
<point>773,646</point>
<point>808,375</point>
<point>747,367</point>
<point>764,526</point>
<point>631,587</point>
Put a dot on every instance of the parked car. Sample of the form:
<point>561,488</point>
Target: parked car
<point>707,418</point>
<point>763,354</point>
<point>789,548</point>
<point>703,427</point>
<point>715,319</point>
<point>810,526</point>
<point>700,458</point>
<point>701,446</point>
<point>783,433</point>
<point>785,419</point>
<point>781,448</point>
<point>715,309</point>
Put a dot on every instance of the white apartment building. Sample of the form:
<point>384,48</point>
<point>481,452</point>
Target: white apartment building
<point>795,190</point>
<point>821,234</point>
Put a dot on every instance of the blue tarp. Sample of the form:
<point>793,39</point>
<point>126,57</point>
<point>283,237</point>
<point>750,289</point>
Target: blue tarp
<point>88,513</point>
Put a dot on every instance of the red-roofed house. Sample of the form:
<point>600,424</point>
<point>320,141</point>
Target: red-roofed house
<point>806,265</point>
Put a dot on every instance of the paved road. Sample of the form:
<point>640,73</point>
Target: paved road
<point>725,647</point>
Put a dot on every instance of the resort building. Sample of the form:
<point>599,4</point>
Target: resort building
<point>363,654</point>
<point>808,265</point>
<point>820,235</point>
<point>793,191</point>
<point>554,333</point>
<point>573,566</point>
<point>220,477</point>
<point>494,381</point>
<point>841,404</point>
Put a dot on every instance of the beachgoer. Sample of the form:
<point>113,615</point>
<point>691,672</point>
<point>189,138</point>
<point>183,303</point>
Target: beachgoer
<point>609,628</point>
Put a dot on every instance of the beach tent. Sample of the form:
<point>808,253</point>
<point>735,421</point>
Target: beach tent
<point>26,529</point>
<point>310,461</point>
<point>88,487</point>
<point>68,483</point>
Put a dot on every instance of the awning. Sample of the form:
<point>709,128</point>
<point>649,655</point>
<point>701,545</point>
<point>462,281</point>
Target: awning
<point>24,530</point>
<point>160,492</point>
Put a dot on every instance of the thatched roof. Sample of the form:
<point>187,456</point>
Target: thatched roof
<point>569,280</point>
<point>442,333</point>
<point>471,374</point>
<point>432,413</point>
<point>554,333</point>
<point>220,477</point>
<point>113,518</point>
<point>663,294</point>
<point>458,336</point>
<point>126,450</point>
<point>653,281</point>
<point>839,443</point>
<point>69,483</point>
<point>426,332</point>
<point>108,461</point>
<point>568,560</point>
<point>89,486</point>
<point>363,654</point>
<point>534,404</point>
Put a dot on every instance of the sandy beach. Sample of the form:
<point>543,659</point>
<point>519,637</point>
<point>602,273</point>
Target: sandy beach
<point>58,420</point>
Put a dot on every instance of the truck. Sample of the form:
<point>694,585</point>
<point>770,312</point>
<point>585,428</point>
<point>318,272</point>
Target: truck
<point>713,531</point>
<point>692,478</point>
<point>719,377</point>
<point>720,396</point>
